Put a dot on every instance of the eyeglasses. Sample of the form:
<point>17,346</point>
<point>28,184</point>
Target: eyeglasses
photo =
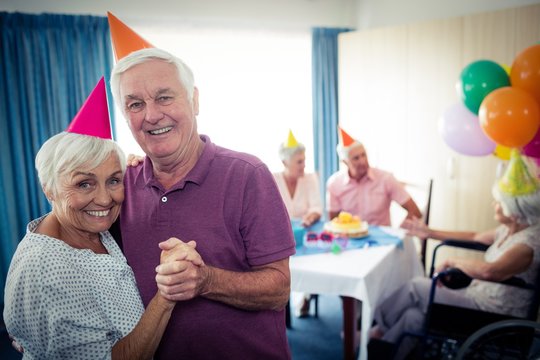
<point>324,239</point>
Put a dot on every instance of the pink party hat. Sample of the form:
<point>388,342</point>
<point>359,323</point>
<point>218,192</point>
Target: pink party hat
<point>93,117</point>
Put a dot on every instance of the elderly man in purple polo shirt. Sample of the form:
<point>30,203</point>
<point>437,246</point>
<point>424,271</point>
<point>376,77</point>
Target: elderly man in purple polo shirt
<point>362,190</point>
<point>232,306</point>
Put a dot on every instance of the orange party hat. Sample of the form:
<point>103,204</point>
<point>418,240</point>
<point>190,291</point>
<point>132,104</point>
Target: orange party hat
<point>124,39</point>
<point>93,117</point>
<point>346,139</point>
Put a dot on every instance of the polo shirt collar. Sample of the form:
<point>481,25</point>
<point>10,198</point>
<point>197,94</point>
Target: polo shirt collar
<point>195,175</point>
<point>370,176</point>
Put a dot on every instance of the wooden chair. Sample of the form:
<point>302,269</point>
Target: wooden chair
<point>421,193</point>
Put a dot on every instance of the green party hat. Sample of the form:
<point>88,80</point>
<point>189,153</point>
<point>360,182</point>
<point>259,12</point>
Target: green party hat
<point>517,179</point>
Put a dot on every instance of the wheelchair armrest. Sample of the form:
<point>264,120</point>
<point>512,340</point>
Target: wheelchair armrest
<point>455,278</point>
<point>471,245</point>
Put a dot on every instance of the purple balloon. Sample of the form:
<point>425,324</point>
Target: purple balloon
<point>532,149</point>
<point>461,131</point>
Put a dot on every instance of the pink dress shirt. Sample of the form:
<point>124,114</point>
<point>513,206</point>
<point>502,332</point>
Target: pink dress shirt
<point>369,198</point>
<point>306,198</point>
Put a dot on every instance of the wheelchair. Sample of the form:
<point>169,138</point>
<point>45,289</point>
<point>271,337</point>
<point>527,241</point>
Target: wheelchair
<point>447,328</point>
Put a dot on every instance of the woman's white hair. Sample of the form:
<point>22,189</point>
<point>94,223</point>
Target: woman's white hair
<point>525,208</point>
<point>141,56</point>
<point>343,151</point>
<point>286,153</point>
<point>66,152</point>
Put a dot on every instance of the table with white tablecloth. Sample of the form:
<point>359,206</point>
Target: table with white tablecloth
<point>368,274</point>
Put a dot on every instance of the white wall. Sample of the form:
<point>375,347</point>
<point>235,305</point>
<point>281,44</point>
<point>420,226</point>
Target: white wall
<point>359,14</point>
<point>379,13</point>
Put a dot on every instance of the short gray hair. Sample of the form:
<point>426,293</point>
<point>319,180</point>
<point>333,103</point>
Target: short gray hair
<point>185,74</point>
<point>525,208</point>
<point>286,153</point>
<point>65,152</point>
<point>343,151</point>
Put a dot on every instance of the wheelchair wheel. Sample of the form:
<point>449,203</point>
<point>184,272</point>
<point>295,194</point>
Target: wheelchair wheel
<point>508,339</point>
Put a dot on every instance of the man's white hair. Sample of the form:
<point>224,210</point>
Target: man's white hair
<point>343,151</point>
<point>185,74</point>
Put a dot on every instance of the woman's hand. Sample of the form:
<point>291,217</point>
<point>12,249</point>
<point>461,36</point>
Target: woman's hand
<point>134,160</point>
<point>310,219</point>
<point>416,227</point>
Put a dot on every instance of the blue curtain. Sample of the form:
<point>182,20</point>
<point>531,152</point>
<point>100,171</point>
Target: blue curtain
<point>325,101</point>
<point>50,64</point>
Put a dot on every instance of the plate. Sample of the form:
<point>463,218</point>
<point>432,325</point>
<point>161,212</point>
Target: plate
<point>356,233</point>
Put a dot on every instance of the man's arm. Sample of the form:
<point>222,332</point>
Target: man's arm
<point>412,209</point>
<point>263,288</point>
<point>332,214</point>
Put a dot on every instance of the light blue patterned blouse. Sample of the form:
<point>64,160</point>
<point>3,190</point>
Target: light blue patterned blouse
<point>67,303</point>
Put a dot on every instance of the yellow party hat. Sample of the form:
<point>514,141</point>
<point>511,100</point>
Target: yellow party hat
<point>291,141</point>
<point>517,179</point>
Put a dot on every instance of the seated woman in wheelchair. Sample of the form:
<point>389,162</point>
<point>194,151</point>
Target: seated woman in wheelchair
<point>514,251</point>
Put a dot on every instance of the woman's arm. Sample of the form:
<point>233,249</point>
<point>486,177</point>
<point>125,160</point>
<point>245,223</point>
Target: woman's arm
<point>515,260</point>
<point>143,340</point>
<point>416,227</point>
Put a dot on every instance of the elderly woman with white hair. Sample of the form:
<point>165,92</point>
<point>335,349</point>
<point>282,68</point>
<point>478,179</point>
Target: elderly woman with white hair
<point>300,191</point>
<point>70,293</point>
<point>514,251</point>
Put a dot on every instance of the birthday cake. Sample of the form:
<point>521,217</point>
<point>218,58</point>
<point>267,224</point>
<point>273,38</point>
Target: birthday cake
<point>348,225</point>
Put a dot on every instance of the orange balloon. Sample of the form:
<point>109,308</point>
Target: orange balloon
<point>509,116</point>
<point>525,71</point>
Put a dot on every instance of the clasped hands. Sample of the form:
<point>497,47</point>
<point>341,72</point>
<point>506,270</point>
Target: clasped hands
<point>181,274</point>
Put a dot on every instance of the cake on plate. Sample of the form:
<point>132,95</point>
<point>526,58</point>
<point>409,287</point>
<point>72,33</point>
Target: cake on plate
<point>348,225</point>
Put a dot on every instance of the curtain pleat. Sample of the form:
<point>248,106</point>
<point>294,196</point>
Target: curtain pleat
<point>49,65</point>
<point>325,101</point>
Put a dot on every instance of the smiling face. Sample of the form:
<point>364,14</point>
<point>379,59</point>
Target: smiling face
<point>87,201</point>
<point>357,162</point>
<point>159,113</point>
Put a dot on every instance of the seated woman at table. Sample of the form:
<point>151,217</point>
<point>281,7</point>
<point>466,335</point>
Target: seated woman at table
<point>514,251</point>
<point>70,292</point>
<point>300,193</point>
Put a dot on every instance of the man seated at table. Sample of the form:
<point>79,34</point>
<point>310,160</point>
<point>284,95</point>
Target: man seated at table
<point>363,190</point>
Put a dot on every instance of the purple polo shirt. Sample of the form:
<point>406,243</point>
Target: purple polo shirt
<point>230,204</point>
<point>369,198</point>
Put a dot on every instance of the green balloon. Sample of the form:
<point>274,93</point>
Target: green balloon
<point>478,79</point>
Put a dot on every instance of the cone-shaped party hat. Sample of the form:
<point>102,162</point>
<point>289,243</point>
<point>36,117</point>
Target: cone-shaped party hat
<point>346,139</point>
<point>291,141</point>
<point>124,39</point>
<point>517,180</point>
<point>93,117</point>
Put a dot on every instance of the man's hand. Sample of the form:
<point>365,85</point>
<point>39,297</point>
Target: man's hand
<point>182,273</point>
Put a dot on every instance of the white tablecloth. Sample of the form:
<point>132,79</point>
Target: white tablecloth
<point>369,275</point>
